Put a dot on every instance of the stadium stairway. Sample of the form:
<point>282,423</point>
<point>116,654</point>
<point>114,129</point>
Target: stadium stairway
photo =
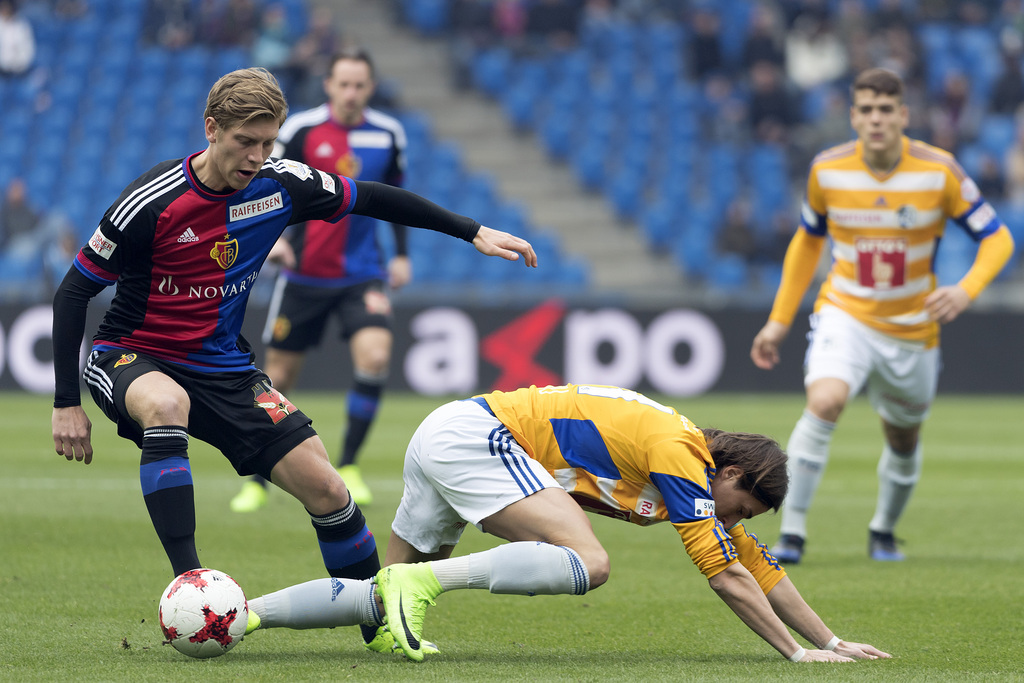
<point>621,268</point>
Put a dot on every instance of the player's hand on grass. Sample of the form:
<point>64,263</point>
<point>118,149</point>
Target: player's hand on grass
<point>72,433</point>
<point>497,243</point>
<point>860,651</point>
<point>765,349</point>
<point>824,656</point>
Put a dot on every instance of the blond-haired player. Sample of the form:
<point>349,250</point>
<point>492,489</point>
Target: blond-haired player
<point>884,200</point>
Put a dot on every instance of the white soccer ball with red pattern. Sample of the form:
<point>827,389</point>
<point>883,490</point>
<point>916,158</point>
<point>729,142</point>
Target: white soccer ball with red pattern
<point>203,613</point>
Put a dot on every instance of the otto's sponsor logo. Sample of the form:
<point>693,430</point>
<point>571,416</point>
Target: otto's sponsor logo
<point>101,245</point>
<point>168,287</point>
<point>271,400</point>
<point>225,252</point>
<point>881,263</point>
<point>256,207</point>
<point>703,507</point>
<point>328,182</point>
<point>125,359</point>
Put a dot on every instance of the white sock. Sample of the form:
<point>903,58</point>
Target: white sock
<point>321,603</point>
<point>897,476</point>
<point>808,454</point>
<point>523,568</point>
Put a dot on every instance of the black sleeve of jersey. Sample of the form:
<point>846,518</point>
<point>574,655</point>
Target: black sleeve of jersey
<point>401,239</point>
<point>70,304</point>
<point>393,204</point>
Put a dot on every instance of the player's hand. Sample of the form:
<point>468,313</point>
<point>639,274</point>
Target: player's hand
<point>860,651</point>
<point>72,432</point>
<point>765,349</point>
<point>509,247</point>
<point>399,272</point>
<point>824,656</point>
<point>282,254</point>
<point>946,303</point>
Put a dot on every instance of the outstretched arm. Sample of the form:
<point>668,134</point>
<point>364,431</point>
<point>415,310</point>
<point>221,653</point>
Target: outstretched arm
<point>740,591</point>
<point>791,608</point>
<point>70,425</point>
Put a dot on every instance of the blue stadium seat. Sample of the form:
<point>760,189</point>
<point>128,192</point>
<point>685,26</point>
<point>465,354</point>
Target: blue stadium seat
<point>491,69</point>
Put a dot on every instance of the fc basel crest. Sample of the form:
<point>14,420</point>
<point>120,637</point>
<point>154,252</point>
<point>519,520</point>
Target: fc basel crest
<point>225,252</point>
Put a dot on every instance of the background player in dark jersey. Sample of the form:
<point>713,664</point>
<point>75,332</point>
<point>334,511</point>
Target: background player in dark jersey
<point>328,270</point>
<point>184,243</point>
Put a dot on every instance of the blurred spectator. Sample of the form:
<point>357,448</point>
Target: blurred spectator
<point>891,14</point>
<point>725,112</point>
<point>228,22</point>
<point>814,53</point>
<point>736,235</point>
<point>772,109</point>
<point>311,57</point>
<point>955,116</point>
<point>1008,90</point>
<point>989,177</point>
<point>1013,163</point>
<point>472,31</point>
<point>17,41</point>
<point>765,41</point>
<point>18,220</point>
<point>553,24</point>
<point>510,21</point>
<point>57,257</point>
<point>773,241</point>
<point>169,23</point>
<point>705,54</point>
<point>273,47</point>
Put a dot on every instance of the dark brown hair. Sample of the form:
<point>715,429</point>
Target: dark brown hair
<point>355,54</point>
<point>760,457</point>
<point>882,81</point>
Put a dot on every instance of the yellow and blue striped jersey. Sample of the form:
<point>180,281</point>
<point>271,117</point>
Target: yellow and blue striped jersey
<point>621,454</point>
<point>885,231</point>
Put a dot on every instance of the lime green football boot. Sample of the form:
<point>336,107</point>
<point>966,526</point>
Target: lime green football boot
<point>251,498</point>
<point>254,622</point>
<point>406,590</point>
<point>357,488</point>
<point>385,642</point>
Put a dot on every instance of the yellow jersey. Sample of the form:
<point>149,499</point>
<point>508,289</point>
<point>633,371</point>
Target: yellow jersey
<point>885,231</point>
<point>621,454</point>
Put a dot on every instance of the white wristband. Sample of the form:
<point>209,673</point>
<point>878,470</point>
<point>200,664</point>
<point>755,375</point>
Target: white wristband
<point>831,645</point>
<point>798,655</point>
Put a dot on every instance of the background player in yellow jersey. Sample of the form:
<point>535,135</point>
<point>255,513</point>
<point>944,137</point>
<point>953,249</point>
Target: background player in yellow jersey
<point>524,465</point>
<point>884,200</point>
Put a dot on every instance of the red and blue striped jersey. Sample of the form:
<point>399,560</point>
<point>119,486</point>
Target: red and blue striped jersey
<point>185,258</point>
<point>373,150</point>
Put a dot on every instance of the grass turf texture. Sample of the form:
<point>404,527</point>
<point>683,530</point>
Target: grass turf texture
<point>81,569</point>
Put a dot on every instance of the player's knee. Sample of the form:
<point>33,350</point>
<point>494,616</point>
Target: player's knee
<point>598,566</point>
<point>162,408</point>
<point>826,406</point>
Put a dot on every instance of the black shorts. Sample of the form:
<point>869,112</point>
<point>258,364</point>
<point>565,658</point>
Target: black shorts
<point>298,313</point>
<point>239,413</point>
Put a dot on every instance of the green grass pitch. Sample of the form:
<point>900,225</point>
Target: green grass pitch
<point>81,569</point>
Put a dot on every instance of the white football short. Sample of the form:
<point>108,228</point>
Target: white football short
<point>462,465</point>
<point>901,378</point>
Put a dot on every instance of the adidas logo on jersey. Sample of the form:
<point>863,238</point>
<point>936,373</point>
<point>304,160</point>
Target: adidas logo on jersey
<point>188,236</point>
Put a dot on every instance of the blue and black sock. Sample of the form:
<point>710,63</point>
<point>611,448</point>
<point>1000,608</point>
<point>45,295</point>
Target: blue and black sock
<point>167,489</point>
<point>362,403</point>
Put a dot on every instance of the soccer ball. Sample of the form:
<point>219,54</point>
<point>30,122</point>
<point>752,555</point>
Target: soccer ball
<point>203,613</point>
